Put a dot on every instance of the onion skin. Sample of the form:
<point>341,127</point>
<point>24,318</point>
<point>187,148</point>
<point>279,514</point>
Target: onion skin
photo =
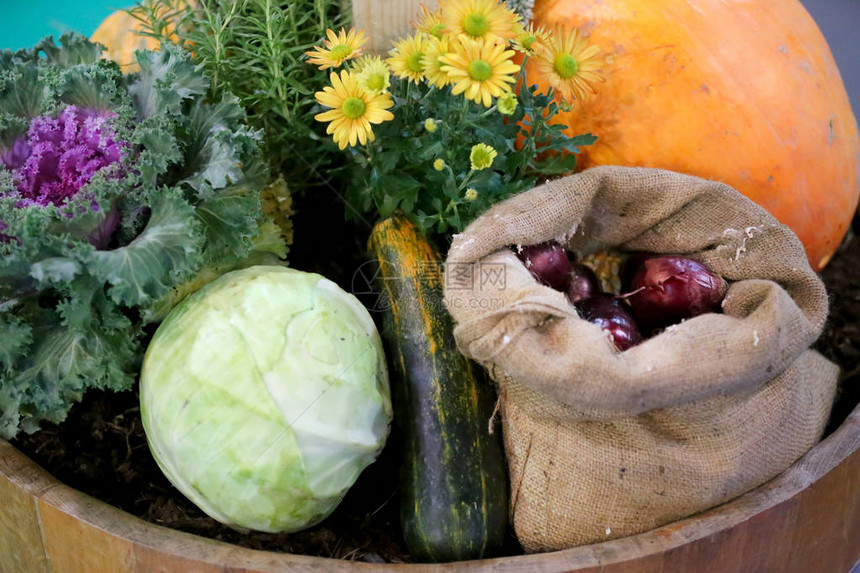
<point>583,283</point>
<point>665,290</point>
<point>548,263</point>
<point>608,312</point>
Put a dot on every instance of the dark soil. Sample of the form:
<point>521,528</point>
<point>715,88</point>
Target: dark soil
<point>101,448</point>
<point>840,341</point>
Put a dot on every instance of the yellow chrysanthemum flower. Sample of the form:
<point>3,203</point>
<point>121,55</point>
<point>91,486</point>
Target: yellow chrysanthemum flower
<point>436,48</point>
<point>354,110</point>
<point>482,156</point>
<point>372,74</point>
<point>570,64</point>
<point>530,40</point>
<point>338,48</point>
<point>429,23</point>
<point>430,124</point>
<point>480,69</point>
<point>507,103</point>
<point>471,194</point>
<point>407,57</point>
<point>484,19</point>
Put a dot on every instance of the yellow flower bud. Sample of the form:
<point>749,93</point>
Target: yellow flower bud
<point>439,164</point>
<point>507,103</point>
<point>430,124</point>
<point>471,194</point>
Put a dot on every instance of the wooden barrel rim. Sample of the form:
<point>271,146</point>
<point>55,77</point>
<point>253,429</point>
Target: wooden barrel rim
<point>819,461</point>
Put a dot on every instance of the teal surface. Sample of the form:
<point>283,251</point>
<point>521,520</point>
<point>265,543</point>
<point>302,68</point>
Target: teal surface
<point>24,22</point>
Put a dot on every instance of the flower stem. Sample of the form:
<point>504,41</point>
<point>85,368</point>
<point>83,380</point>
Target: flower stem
<point>488,112</point>
<point>465,110</point>
<point>466,180</point>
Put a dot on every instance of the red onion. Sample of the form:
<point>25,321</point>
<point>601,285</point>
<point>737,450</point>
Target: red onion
<point>608,312</point>
<point>668,289</point>
<point>548,263</point>
<point>583,283</point>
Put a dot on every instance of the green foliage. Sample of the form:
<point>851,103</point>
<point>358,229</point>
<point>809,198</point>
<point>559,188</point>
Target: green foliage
<point>255,50</point>
<point>396,172</point>
<point>142,270</point>
<point>80,279</point>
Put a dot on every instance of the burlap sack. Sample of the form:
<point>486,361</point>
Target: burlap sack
<point>602,444</point>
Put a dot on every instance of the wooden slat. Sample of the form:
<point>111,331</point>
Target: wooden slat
<point>21,548</point>
<point>816,541</point>
<point>121,543</point>
<point>73,545</point>
<point>807,519</point>
<point>759,552</point>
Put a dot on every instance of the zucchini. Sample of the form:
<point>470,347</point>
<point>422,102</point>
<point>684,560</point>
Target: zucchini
<point>453,481</point>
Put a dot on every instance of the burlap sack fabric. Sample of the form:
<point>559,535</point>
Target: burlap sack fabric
<point>602,444</point>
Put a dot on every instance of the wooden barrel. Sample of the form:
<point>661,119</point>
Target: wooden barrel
<point>806,519</point>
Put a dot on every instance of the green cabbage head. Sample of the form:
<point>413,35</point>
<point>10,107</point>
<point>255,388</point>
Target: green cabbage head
<point>264,395</point>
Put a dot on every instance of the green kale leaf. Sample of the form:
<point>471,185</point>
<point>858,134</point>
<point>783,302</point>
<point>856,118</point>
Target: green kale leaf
<point>119,195</point>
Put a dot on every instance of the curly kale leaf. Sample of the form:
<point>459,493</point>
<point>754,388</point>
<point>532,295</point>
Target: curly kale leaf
<point>74,49</point>
<point>167,251</point>
<point>146,191</point>
<point>85,341</point>
<point>166,79</point>
<point>15,337</point>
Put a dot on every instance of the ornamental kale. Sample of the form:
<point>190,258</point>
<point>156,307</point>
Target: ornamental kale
<point>118,196</point>
<point>61,154</point>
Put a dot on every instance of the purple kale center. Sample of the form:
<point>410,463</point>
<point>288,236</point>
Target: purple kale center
<point>15,157</point>
<point>61,154</point>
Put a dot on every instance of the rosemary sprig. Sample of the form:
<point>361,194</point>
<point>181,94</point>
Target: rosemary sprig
<point>255,50</point>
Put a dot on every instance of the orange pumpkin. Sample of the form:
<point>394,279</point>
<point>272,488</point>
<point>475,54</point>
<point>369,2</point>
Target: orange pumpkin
<point>740,91</point>
<point>120,34</point>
